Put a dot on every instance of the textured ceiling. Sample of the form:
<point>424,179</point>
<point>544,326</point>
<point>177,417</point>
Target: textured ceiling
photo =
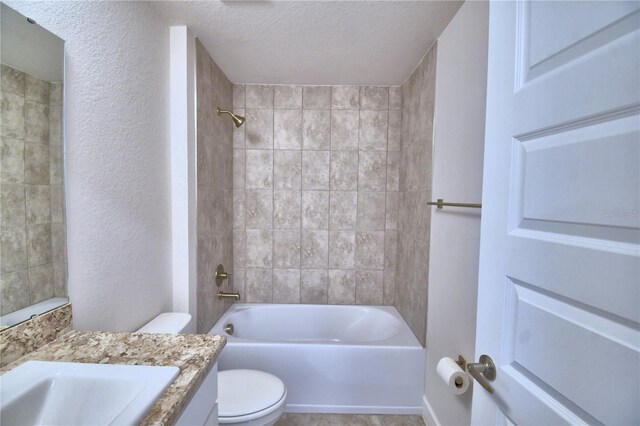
<point>313,42</point>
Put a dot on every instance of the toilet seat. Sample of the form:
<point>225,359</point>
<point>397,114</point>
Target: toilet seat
<point>246,395</point>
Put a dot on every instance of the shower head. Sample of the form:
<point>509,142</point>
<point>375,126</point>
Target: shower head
<point>237,119</point>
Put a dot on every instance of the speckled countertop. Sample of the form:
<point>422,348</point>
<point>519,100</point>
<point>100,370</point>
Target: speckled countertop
<point>194,354</point>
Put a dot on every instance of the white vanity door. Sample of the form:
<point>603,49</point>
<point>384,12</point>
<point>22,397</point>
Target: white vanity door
<point>203,407</point>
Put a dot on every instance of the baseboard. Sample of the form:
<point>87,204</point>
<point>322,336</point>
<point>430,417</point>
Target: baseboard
<point>429,417</point>
<point>351,409</point>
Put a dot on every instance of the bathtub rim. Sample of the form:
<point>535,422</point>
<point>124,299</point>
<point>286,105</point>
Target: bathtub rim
<point>405,338</point>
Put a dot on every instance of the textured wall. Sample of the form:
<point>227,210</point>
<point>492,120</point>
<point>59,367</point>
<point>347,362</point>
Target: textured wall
<point>315,193</point>
<point>118,188</point>
<point>457,175</point>
<point>214,181</point>
<point>415,191</point>
<point>33,247</point>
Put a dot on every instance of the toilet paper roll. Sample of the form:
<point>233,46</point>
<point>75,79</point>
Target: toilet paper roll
<point>451,373</point>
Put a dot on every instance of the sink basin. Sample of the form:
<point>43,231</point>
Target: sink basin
<point>66,393</point>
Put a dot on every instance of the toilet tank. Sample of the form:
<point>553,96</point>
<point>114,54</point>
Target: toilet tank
<point>168,322</point>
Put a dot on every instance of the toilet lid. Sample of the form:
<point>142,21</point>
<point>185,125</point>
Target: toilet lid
<point>243,392</point>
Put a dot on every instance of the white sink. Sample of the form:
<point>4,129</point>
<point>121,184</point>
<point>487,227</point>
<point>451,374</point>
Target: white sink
<point>66,393</point>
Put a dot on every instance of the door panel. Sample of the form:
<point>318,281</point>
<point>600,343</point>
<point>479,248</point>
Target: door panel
<point>559,290</point>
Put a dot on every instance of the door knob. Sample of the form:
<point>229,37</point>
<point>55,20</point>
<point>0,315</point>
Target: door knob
<point>483,371</point>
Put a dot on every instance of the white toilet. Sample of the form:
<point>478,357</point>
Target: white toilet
<point>245,397</point>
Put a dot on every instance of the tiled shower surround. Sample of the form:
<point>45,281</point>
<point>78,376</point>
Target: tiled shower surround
<point>315,193</point>
<point>414,218</point>
<point>33,242</point>
<point>214,195</point>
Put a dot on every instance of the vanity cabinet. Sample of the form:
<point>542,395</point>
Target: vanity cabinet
<point>203,407</point>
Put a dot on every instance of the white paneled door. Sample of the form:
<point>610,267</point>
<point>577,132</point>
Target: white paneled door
<point>559,290</point>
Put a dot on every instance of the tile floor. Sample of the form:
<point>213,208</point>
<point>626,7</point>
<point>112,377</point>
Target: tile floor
<point>348,420</point>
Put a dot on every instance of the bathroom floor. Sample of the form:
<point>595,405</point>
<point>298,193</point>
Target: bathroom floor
<point>348,420</point>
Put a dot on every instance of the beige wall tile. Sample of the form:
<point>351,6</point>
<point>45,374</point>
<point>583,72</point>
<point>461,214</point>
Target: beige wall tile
<point>315,209</point>
<point>239,249</point>
<point>36,89</point>
<point>239,168</point>
<point>374,97</point>
<point>238,209</point>
<point>344,130</point>
<point>12,119</point>
<point>39,244</point>
<point>238,279</point>
<point>259,248</point>
<point>12,160</point>
<point>342,249</point>
<point>315,170</point>
<point>55,95</point>
<point>370,250</point>
<point>373,130</point>
<point>372,170</point>
<point>391,211</point>
<point>259,131</point>
<point>239,133</point>
<point>343,210</point>
<point>259,285</point>
<point>238,96</point>
<point>395,98</point>
<point>287,97</point>
<point>389,290</point>
<point>316,129</point>
<point>390,250</point>
<point>12,80</point>
<point>344,170</point>
<point>393,171</point>
<point>371,211</point>
<point>259,96</point>
<point>345,97</point>
<point>316,189</point>
<point>286,209</point>
<point>14,291</point>
<point>38,204</point>
<point>287,169</point>
<point>286,286</point>
<point>287,129</point>
<point>12,205</point>
<point>40,283</point>
<point>37,122</point>
<point>37,168</point>
<point>13,245</point>
<point>314,286</point>
<point>414,183</point>
<point>342,286</point>
<point>286,248</point>
<point>315,249</point>
<point>369,287</point>
<point>259,169</point>
<point>55,164</point>
<point>316,97</point>
<point>57,204</point>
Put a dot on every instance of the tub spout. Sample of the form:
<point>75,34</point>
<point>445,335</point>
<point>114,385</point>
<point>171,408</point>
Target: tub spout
<point>234,296</point>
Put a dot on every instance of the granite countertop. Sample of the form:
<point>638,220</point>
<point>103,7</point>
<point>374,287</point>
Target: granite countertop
<point>194,354</point>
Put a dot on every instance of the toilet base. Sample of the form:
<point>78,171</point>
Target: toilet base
<point>268,420</point>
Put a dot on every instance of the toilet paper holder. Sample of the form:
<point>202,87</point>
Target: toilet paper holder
<point>462,363</point>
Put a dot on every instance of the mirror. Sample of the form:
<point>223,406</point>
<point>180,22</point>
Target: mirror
<point>33,255</point>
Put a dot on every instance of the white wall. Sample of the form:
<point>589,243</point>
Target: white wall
<point>184,238</point>
<point>117,159</point>
<point>455,232</point>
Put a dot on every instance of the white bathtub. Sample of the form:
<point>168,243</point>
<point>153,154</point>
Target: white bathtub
<point>333,359</point>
